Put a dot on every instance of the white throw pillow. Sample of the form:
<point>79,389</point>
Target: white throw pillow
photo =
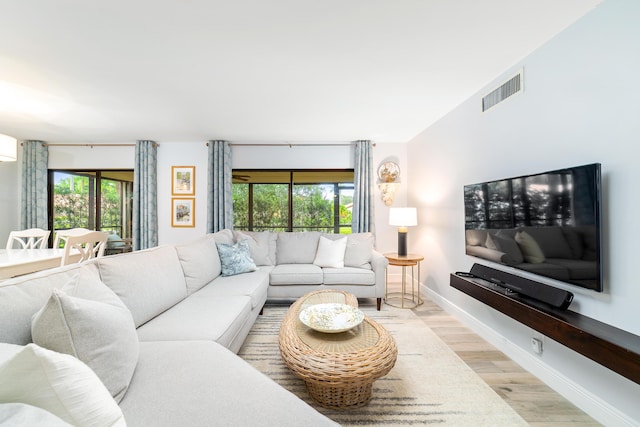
<point>530,249</point>
<point>87,320</point>
<point>330,252</point>
<point>60,384</point>
<point>20,414</point>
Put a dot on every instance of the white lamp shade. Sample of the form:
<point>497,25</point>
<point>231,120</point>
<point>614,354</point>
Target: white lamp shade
<point>8,148</point>
<point>403,217</point>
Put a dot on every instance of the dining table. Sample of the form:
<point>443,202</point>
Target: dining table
<point>16,262</point>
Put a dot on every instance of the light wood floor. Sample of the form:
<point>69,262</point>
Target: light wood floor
<point>536,403</point>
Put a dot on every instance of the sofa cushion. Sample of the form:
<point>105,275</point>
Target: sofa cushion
<point>262,245</point>
<point>297,248</point>
<point>254,285</point>
<point>88,321</point>
<point>148,281</point>
<point>507,245</point>
<point>58,383</point>
<point>551,240</point>
<point>295,274</point>
<point>590,239</point>
<point>213,319</point>
<point>578,269</point>
<point>574,239</point>
<point>223,236</point>
<point>348,276</point>
<point>22,296</point>
<point>555,271</point>
<point>531,252</point>
<point>236,258</point>
<point>359,248</point>
<point>20,414</point>
<point>330,253</point>
<point>199,383</point>
<point>200,262</point>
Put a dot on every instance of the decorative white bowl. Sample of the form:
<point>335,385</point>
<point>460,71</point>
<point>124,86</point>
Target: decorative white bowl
<point>331,317</point>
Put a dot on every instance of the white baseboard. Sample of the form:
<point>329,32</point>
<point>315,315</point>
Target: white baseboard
<point>588,402</point>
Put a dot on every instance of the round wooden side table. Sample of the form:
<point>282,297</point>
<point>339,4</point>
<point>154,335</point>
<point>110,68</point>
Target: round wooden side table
<point>403,299</point>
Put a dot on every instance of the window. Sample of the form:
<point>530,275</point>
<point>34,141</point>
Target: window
<point>293,200</point>
<point>94,199</point>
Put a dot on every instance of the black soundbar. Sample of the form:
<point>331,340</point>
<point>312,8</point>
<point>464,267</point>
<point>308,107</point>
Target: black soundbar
<point>555,297</point>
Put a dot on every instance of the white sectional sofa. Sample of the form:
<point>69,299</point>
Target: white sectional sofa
<point>159,329</point>
<point>296,264</point>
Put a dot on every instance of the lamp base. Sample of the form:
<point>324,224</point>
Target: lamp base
<point>402,242</point>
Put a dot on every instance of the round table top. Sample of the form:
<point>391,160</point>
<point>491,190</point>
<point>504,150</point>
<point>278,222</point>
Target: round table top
<point>408,258</point>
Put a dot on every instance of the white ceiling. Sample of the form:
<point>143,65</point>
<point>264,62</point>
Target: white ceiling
<point>83,71</point>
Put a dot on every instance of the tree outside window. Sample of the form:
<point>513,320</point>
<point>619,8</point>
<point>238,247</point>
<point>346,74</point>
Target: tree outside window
<point>97,200</point>
<point>293,200</point>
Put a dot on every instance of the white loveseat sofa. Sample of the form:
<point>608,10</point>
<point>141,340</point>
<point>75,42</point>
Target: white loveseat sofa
<point>159,329</point>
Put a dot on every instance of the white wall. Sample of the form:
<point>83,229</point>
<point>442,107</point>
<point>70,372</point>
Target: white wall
<point>580,105</point>
<point>9,200</point>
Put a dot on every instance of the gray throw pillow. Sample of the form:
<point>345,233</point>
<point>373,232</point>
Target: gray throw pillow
<point>235,259</point>
<point>507,245</point>
<point>87,320</point>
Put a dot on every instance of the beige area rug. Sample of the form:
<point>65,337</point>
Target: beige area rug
<point>429,384</point>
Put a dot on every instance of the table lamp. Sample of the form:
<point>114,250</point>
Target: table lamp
<point>403,218</point>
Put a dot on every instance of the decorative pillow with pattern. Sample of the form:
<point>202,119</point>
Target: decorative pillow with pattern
<point>236,259</point>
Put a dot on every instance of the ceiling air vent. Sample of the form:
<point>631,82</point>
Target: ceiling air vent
<point>504,91</point>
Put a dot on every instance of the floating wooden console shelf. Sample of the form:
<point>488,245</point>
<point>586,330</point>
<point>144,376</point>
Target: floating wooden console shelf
<point>609,346</point>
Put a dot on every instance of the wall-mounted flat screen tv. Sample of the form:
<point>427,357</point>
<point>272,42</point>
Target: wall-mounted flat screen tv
<point>547,224</point>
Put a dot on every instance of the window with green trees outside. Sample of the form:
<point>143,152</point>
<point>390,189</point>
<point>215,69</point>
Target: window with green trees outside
<point>293,200</point>
<point>94,199</point>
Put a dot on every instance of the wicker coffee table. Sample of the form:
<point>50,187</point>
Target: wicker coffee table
<point>338,369</point>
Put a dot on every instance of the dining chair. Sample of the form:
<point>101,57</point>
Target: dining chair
<point>33,238</point>
<point>62,235</point>
<point>89,244</point>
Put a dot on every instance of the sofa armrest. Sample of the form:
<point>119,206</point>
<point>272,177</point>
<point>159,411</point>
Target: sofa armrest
<point>379,265</point>
<point>490,254</point>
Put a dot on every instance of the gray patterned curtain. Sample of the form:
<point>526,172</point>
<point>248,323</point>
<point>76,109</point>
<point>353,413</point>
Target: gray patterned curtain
<point>145,196</point>
<point>35,158</point>
<point>362,214</point>
<point>220,200</point>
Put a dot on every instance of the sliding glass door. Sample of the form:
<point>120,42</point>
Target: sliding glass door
<point>93,199</point>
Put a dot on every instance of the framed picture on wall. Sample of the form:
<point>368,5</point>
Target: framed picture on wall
<point>183,212</point>
<point>183,180</point>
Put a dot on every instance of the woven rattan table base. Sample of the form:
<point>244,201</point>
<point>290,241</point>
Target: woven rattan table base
<point>338,369</point>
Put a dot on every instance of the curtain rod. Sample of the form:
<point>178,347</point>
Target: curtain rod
<point>291,145</point>
<point>92,145</point>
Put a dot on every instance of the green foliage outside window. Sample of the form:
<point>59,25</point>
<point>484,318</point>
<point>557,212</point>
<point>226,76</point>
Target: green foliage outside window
<point>266,207</point>
<point>74,204</point>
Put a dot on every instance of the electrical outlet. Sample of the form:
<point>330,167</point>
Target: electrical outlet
<point>536,345</point>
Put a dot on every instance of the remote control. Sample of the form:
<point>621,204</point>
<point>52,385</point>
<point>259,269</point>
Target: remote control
<point>464,274</point>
